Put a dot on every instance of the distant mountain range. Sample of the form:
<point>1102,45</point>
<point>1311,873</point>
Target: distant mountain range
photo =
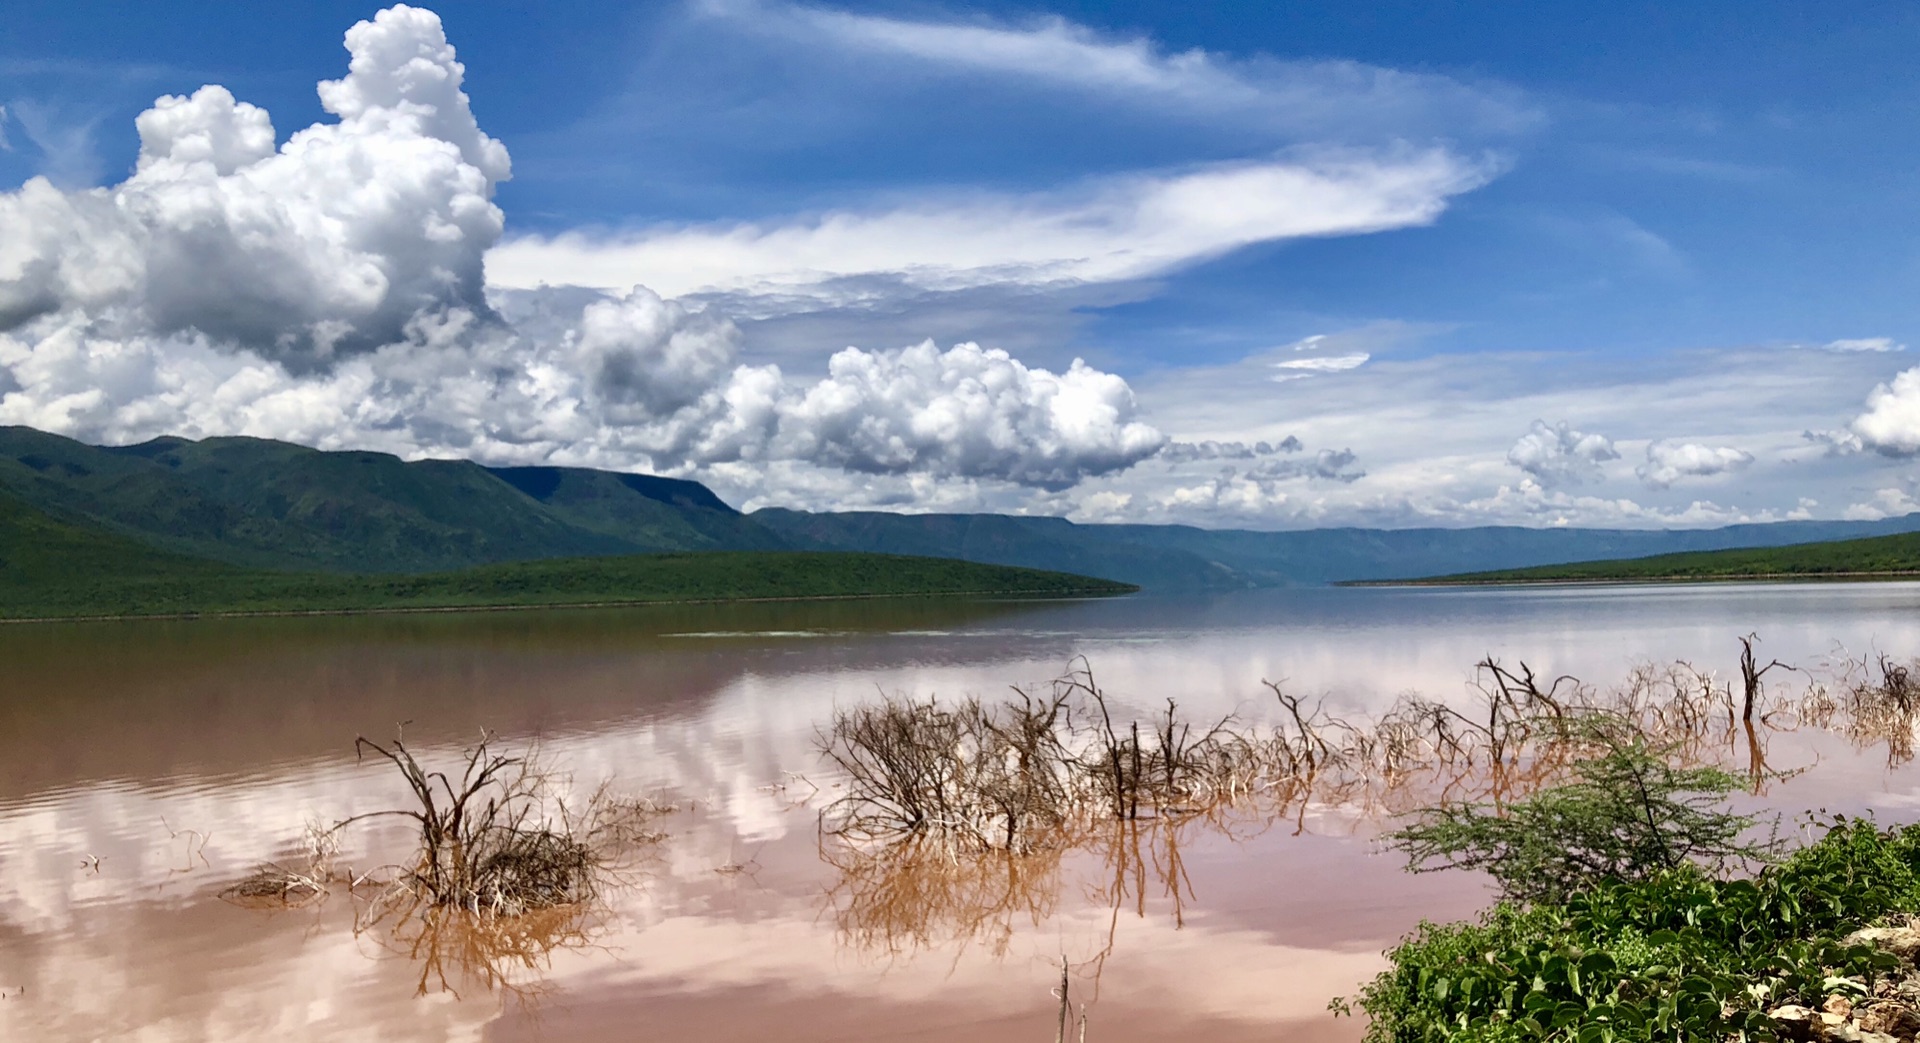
<point>264,504</point>
<point>1162,557</point>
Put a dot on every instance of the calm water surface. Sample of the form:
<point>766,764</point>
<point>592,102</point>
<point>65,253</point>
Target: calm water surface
<point>180,755</point>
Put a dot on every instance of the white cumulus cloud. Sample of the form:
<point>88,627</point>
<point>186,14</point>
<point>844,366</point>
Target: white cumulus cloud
<point>332,291</point>
<point>1558,455</point>
<point>1669,462</point>
<point>966,411</point>
<point>1891,423</point>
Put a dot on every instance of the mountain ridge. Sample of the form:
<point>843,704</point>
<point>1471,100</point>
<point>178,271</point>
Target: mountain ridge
<point>257,503</point>
<point>1180,556</point>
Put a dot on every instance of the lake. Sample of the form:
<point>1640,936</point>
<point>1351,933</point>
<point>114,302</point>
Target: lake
<point>146,766</point>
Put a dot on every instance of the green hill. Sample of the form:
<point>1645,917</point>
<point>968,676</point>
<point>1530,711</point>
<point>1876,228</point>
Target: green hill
<point>266,504</point>
<point>51,568</point>
<point>262,504</point>
<point>1883,557</point>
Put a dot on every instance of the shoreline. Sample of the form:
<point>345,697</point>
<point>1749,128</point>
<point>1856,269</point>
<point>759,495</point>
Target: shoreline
<point>399,610</point>
<point>1590,581</point>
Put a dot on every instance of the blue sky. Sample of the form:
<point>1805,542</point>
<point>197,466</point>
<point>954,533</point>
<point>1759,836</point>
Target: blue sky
<point>1689,232</point>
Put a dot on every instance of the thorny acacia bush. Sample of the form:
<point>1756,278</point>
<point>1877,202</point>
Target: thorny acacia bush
<point>1628,813</point>
<point>1676,955</point>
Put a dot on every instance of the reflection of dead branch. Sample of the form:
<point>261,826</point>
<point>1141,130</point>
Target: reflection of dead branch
<point>913,895</point>
<point>457,951</point>
<point>196,847</point>
<point>956,820</point>
<point>1877,702</point>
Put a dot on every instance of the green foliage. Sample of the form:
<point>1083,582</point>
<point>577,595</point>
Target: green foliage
<point>1675,955</point>
<point>264,504</point>
<point>54,569</point>
<point>1628,814</point>
<point>1897,555</point>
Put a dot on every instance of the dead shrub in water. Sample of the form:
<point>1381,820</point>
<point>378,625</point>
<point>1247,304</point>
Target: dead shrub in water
<point>1877,701</point>
<point>1033,770</point>
<point>1028,772</point>
<point>975,775</point>
<point>486,841</point>
<point>500,840</point>
<point>301,883</point>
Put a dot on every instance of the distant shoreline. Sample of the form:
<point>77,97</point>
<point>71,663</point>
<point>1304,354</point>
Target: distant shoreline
<point>1591,581</point>
<point>409,610</point>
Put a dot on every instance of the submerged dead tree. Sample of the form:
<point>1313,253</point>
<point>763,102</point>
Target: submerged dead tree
<point>1751,674</point>
<point>486,842</point>
<point>1042,768</point>
<point>1021,773</point>
<point>497,838</point>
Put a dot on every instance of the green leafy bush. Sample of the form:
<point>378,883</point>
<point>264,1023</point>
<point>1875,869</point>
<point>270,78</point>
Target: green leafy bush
<point>1672,955</point>
<point>1628,813</point>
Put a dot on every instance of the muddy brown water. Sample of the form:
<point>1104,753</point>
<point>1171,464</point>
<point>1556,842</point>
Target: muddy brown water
<point>181,754</point>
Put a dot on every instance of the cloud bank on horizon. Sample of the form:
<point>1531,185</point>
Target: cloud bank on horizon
<point>355,286</point>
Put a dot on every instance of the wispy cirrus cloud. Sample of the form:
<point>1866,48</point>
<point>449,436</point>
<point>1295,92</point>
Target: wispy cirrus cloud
<point>1879,344</point>
<point>65,141</point>
<point>1294,94</point>
<point>1107,230</point>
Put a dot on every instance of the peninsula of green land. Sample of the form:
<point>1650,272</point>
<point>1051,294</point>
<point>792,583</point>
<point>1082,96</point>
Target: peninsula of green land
<point>1878,557</point>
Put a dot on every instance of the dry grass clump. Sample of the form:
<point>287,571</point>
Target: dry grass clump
<point>917,894</point>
